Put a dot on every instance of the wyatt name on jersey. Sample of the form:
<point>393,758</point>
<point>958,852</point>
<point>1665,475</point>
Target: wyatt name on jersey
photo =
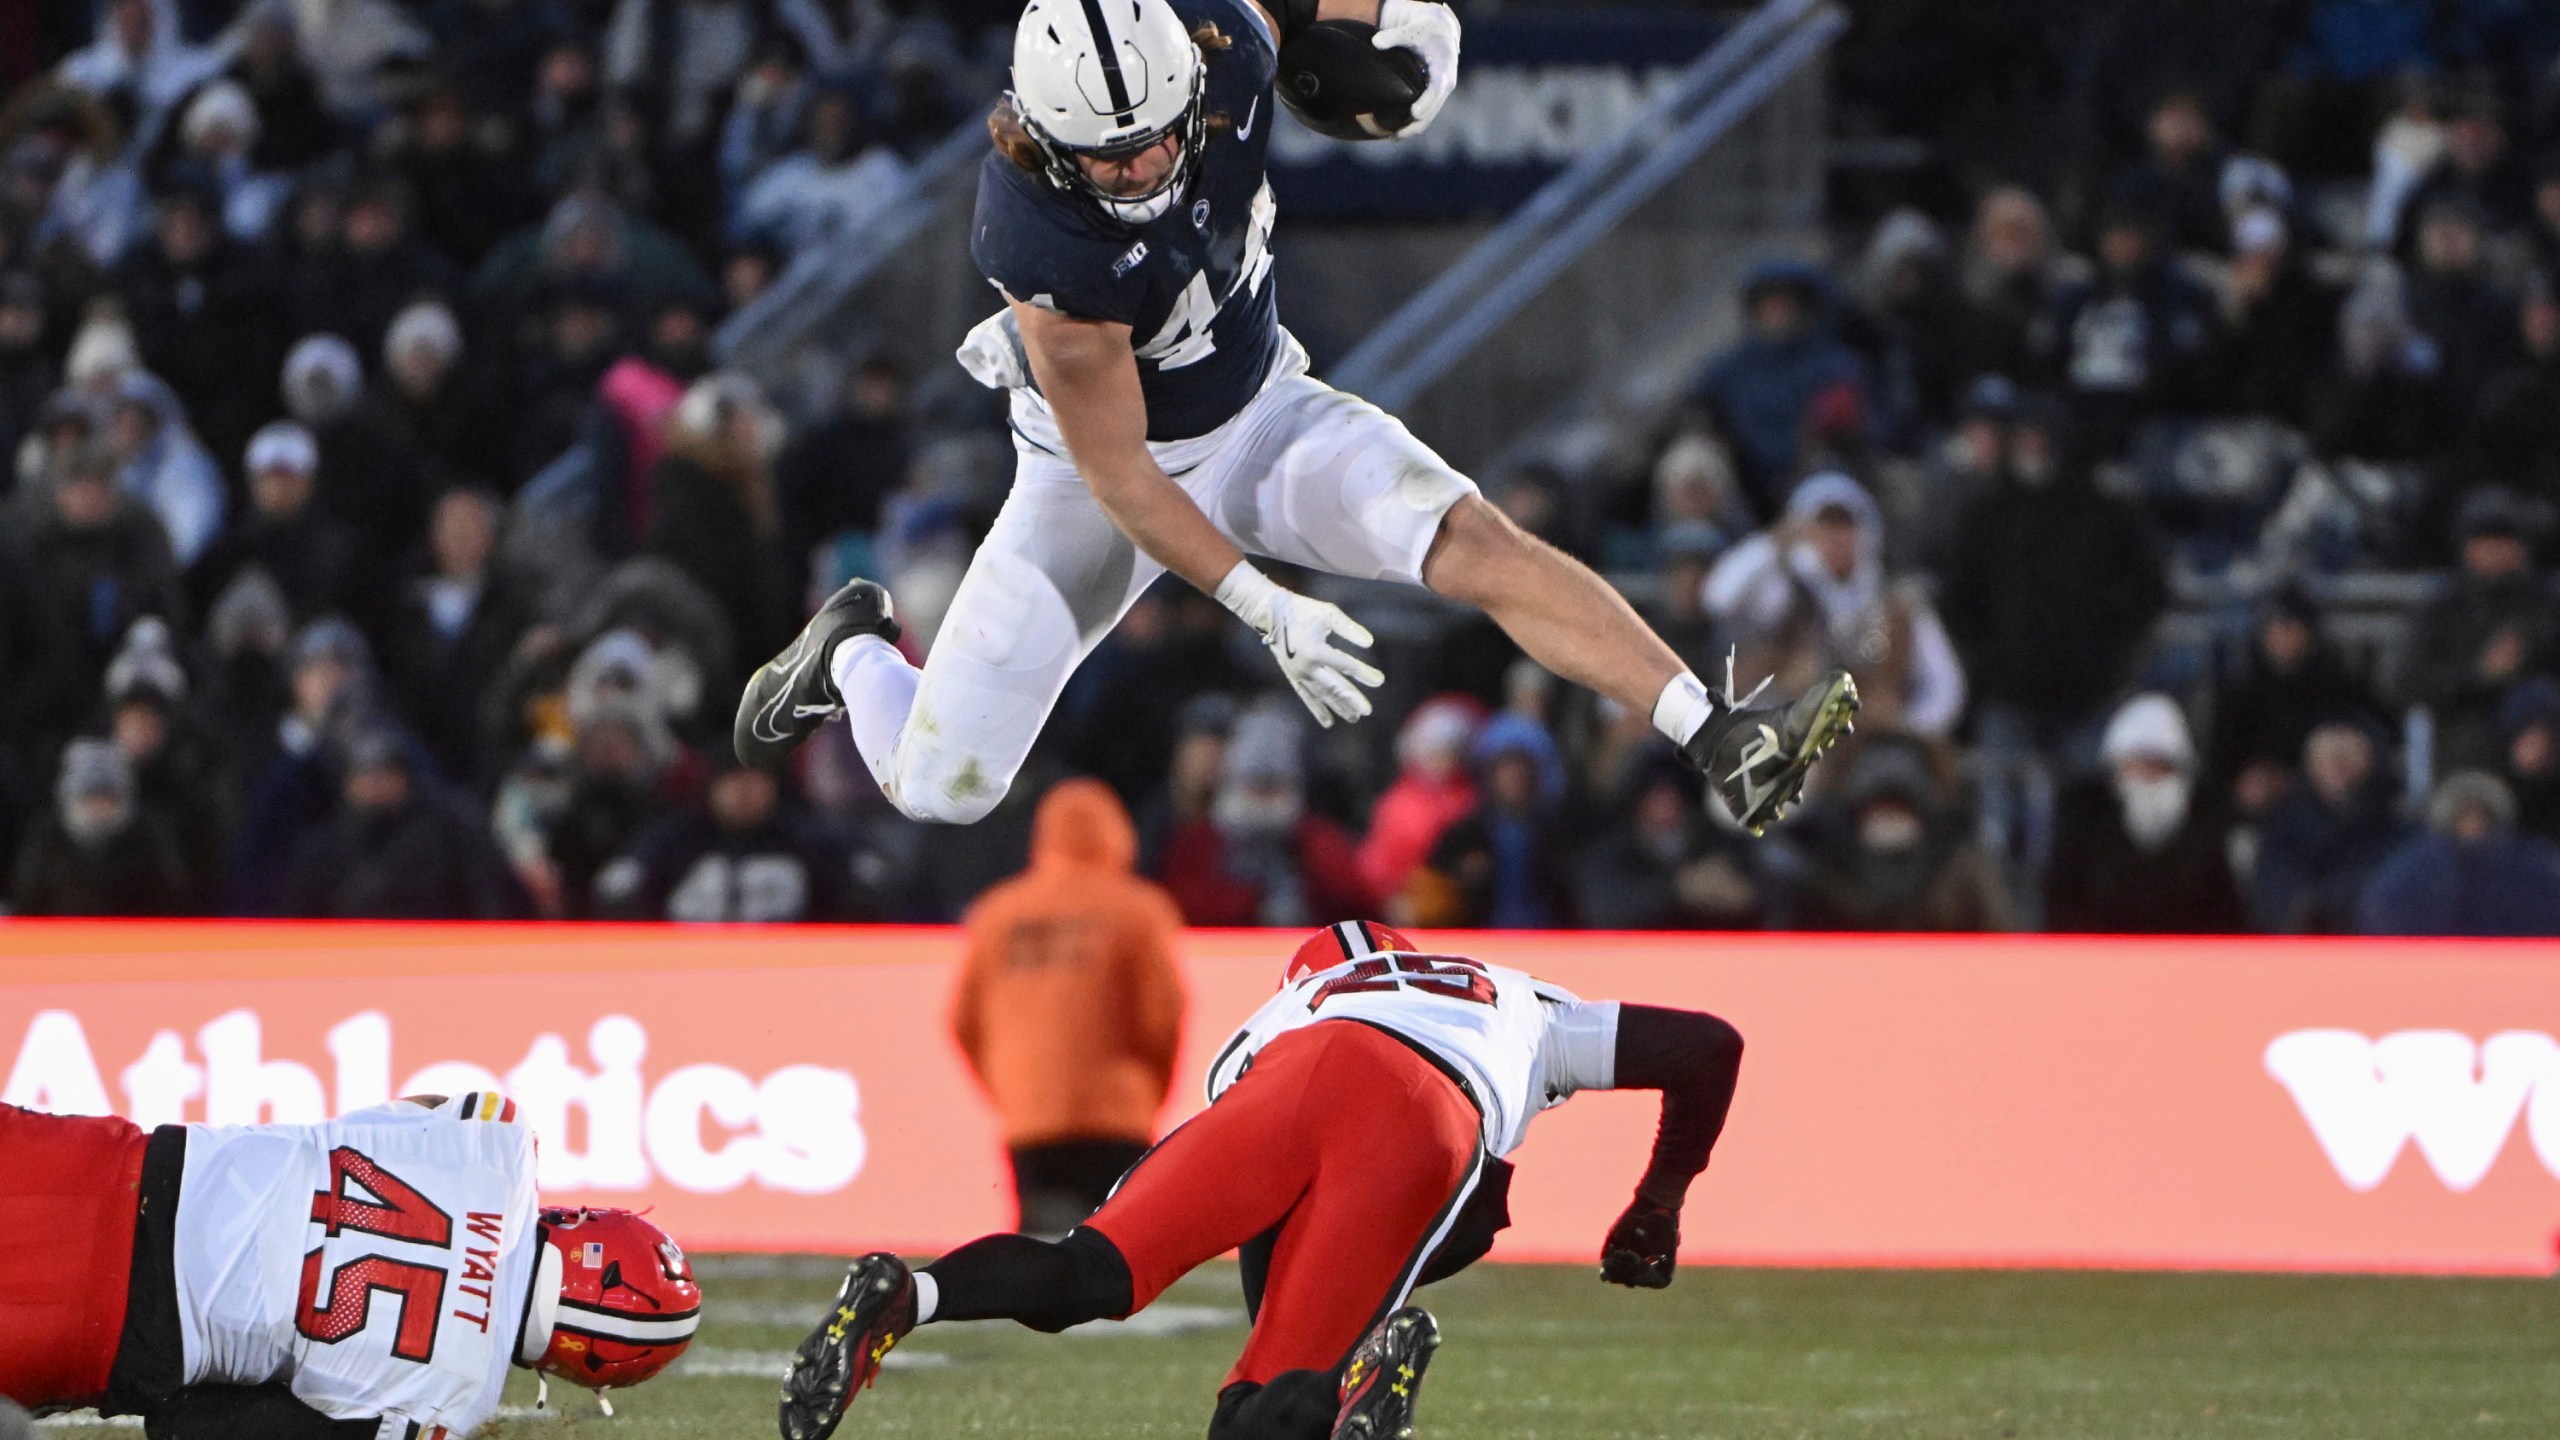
<point>1193,285</point>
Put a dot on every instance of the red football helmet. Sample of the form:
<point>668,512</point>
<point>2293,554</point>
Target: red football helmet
<point>627,1302</point>
<point>1350,940</point>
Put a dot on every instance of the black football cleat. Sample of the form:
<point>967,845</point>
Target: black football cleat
<point>1384,1377</point>
<point>874,1310</point>
<point>1755,756</point>
<point>792,694</point>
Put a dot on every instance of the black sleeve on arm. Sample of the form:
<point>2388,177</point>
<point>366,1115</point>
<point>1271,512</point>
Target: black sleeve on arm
<point>1693,1059</point>
<point>248,1412</point>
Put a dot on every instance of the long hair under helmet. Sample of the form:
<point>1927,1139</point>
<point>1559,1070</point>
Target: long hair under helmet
<point>1104,80</point>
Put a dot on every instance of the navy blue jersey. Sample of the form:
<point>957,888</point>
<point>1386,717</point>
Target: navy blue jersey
<point>1193,285</point>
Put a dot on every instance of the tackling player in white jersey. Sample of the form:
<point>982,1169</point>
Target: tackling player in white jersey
<point>374,1277</point>
<point>1352,1149</point>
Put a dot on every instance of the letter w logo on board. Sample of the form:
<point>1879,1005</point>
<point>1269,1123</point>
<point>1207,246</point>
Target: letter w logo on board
<point>2365,1098</point>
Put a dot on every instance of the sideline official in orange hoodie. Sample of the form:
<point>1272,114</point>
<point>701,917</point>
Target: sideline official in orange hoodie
<point>1070,1009</point>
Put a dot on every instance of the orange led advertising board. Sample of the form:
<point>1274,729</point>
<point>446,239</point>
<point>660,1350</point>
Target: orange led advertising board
<point>2350,1105</point>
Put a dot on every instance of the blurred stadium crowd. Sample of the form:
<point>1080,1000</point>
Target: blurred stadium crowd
<point>2172,450</point>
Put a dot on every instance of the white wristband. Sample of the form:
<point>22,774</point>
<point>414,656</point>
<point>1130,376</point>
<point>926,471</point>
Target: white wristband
<point>1249,593</point>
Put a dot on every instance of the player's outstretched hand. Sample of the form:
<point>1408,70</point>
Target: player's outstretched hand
<point>1300,632</point>
<point>1430,30</point>
<point>1642,1247</point>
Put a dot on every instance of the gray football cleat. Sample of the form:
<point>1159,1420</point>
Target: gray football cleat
<point>792,694</point>
<point>1756,756</point>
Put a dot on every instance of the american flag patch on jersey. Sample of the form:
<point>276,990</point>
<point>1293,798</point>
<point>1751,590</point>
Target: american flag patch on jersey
<point>592,1255</point>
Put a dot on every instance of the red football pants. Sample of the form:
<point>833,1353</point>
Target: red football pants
<point>1356,1147</point>
<point>70,1186</point>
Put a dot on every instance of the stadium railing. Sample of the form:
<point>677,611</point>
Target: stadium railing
<point>1725,162</point>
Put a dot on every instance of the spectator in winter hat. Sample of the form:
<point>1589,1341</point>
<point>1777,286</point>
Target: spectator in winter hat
<point>1663,866</point>
<point>96,854</point>
<point>1430,792</point>
<point>2179,177</point>
<point>2133,851</point>
<point>2495,627</point>
<point>220,133</point>
<point>96,561</point>
<point>2318,847</point>
<point>1813,592</point>
<point>2282,320</point>
<point>2139,337</point>
<point>399,848</point>
<point>2292,682</point>
<point>370,473</point>
<point>2453,298</point>
<point>441,403</point>
<point>140,56</point>
<point>1896,853</point>
<point>160,462</point>
<point>1197,757</point>
<point>1504,864</point>
<point>1759,391</point>
<point>176,764</point>
<point>2468,873</point>
<point>309,553</point>
<point>1262,856</point>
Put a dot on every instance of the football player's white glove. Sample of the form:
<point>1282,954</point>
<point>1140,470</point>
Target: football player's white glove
<point>1299,631</point>
<point>1429,30</point>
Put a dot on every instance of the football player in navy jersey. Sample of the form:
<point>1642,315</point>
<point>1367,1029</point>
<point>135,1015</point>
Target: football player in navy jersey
<point>1163,419</point>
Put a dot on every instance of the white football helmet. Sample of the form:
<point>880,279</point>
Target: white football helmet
<point>1107,78</point>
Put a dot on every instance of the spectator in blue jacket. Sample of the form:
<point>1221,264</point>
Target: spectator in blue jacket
<point>1759,391</point>
<point>2470,873</point>
<point>2324,840</point>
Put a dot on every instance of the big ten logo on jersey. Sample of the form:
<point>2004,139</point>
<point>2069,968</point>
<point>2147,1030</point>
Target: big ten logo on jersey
<point>364,1199</point>
<point>1184,338</point>
<point>604,1121</point>
<point>1449,977</point>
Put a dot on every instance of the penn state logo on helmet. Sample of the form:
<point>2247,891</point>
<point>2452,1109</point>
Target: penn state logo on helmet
<point>1107,80</point>
<point>626,1302</point>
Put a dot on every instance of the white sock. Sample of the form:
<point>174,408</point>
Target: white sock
<point>928,1297</point>
<point>879,688</point>
<point>1682,707</point>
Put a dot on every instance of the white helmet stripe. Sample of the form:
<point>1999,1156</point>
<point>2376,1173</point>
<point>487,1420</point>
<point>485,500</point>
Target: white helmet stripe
<point>587,1320</point>
<point>1108,50</point>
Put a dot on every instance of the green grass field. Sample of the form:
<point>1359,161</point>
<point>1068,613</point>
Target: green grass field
<point>1535,1353</point>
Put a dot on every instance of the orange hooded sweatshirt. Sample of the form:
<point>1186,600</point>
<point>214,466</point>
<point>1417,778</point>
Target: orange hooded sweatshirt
<point>1070,1009</point>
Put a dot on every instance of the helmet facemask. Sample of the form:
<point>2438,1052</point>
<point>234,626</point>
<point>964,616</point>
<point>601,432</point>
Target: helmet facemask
<point>1065,171</point>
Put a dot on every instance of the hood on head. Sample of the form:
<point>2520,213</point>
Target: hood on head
<point>1080,822</point>
<point>2149,725</point>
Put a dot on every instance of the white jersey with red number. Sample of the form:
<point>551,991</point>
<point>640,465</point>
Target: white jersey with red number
<point>1522,1045</point>
<point>380,1263</point>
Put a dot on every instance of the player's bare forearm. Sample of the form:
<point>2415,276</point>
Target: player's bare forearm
<point>1089,373</point>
